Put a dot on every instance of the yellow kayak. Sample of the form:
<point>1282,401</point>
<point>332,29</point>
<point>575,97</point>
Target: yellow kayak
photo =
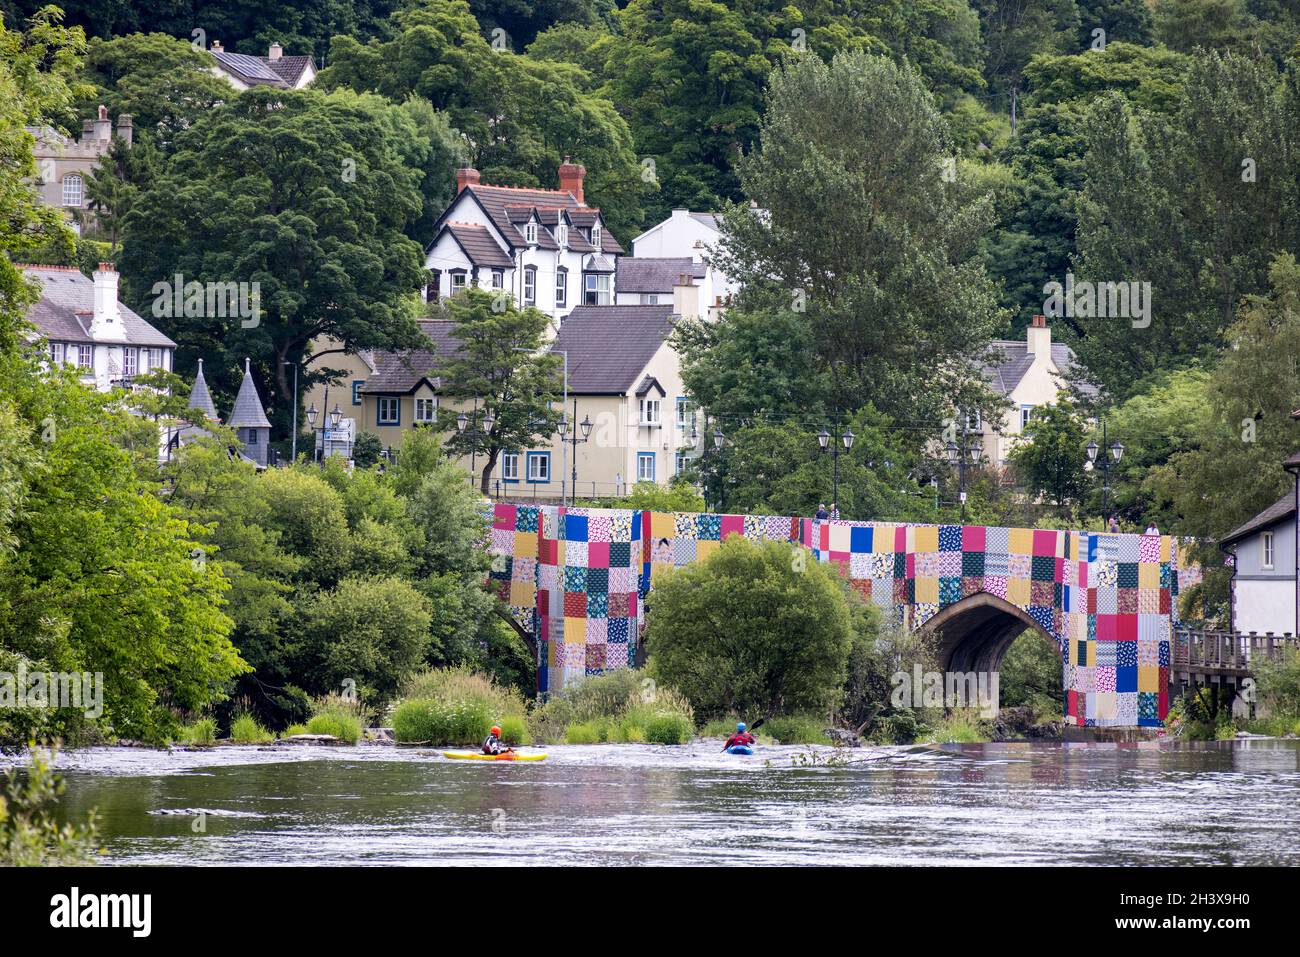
<point>480,756</point>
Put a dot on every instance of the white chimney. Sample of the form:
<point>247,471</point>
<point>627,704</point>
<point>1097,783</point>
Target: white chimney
<point>1038,339</point>
<point>106,320</point>
<point>277,51</point>
<point>686,296</point>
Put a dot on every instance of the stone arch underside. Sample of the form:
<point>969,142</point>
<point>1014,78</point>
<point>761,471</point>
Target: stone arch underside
<point>976,632</point>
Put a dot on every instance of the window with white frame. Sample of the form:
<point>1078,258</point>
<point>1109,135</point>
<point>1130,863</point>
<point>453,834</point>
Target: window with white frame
<point>498,279</point>
<point>388,410</point>
<point>530,234</point>
<point>595,235</point>
<point>650,411</point>
<point>649,298</point>
<point>356,390</point>
<point>530,286</point>
<point>1026,413</point>
<point>539,466</point>
<point>426,410</point>
<point>510,467</point>
<point>562,234</point>
<point>86,357</point>
<point>1266,545</point>
<point>458,281</point>
<point>596,289</point>
<point>973,421</point>
<point>73,190</point>
<point>130,361</point>
<point>683,462</point>
<point>685,413</point>
<point>645,466</point>
<point>57,353</point>
<point>561,287</point>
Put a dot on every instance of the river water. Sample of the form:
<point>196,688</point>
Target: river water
<point>1034,803</point>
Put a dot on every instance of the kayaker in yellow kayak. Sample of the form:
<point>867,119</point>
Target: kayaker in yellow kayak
<point>492,744</point>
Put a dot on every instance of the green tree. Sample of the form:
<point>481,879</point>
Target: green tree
<point>1050,463</point>
<point>306,195</point>
<point>500,363</point>
<point>31,834</point>
<point>757,629</point>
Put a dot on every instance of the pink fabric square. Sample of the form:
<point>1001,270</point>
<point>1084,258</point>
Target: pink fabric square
<point>972,538</point>
<point>598,554</point>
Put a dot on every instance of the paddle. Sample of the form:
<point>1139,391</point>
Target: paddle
<point>757,724</point>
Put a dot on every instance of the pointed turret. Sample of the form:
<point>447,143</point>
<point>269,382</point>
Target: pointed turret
<point>201,398</point>
<point>249,420</point>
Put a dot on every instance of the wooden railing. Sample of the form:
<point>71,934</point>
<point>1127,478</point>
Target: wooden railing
<point>1225,650</point>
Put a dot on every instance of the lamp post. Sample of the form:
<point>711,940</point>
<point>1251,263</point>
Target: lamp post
<point>957,457</point>
<point>334,418</point>
<point>475,433</point>
<point>294,453</point>
<point>824,440</point>
<point>571,437</point>
<point>564,404</point>
<point>1116,452</point>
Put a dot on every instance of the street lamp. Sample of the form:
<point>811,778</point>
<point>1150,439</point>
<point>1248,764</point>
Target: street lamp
<point>824,440</point>
<point>1116,453</point>
<point>957,458</point>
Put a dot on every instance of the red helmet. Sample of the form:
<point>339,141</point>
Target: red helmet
<point>496,731</point>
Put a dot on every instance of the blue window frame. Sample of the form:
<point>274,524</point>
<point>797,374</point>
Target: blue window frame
<point>356,394</point>
<point>539,468</point>
<point>645,466</point>
<point>388,410</point>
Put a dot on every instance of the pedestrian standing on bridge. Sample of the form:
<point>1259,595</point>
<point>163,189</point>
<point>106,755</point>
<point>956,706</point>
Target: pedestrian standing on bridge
<point>821,515</point>
<point>1114,524</point>
<point>1151,529</point>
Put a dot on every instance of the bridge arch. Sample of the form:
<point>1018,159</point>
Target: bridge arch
<point>976,632</point>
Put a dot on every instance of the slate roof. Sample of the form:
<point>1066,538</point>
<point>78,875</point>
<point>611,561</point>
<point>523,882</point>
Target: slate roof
<point>248,412</point>
<point>657,275</point>
<point>708,219</point>
<point>509,207</point>
<point>1279,511</point>
<point>251,69</point>
<point>479,245</point>
<point>399,373</point>
<point>67,304</point>
<point>610,346</point>
<point>289,68</point>
<point>1016,360</point>
<point>201,398</point>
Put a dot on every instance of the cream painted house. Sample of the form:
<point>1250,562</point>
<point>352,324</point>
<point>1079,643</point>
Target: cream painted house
<point>275,69</point>
<point>63,165</point>
<point>1029,375</point>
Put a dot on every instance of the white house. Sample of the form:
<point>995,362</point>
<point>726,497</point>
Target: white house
<point>546,247</point>
<point>694,236</point>
<point>1263,597</point>
<point>1030,374</point>
<point>275,69</point>
<point>88,328</point>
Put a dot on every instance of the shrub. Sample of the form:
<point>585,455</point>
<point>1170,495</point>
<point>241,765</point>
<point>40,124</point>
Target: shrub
<point>30,832</point>
<point>295,729</point>
<point>338,716</point>
<point>1278,682</point>
<point>797,729</point>
<point>617,706</point>
<point>586,732</point>
<point>245,730</point>
<point>665,727</point>
<point>958,727</point>
<point>514,730</point>
<point>199,732</point>
<point>421,720</point>
<point>465,684</point>
<point>756,628</point>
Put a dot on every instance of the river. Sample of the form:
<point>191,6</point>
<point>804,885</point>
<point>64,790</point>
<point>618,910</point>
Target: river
<point>1232,802</point>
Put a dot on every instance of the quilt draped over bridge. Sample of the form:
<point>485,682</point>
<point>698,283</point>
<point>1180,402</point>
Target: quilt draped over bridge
<point>577,581</point>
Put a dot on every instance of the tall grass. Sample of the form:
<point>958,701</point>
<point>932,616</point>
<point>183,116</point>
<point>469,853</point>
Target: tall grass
<point>960,726</point>
<point>202,731</point>
<point>797,729</point>
<point>621,707</point>
<point>338,716</point>
<point>244,729</point>
<point>458,706</point>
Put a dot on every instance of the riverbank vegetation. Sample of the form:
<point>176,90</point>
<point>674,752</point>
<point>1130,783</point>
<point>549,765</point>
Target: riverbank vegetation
<point>31,834</point>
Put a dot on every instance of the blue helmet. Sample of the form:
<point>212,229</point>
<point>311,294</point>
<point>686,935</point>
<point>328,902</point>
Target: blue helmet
<point>740,726</point>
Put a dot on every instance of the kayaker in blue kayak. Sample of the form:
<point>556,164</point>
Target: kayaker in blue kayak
<point>493,744</point>
<point>741,738</point>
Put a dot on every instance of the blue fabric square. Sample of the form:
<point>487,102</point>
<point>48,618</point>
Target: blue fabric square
<point>636,526</point>
<point>620,554</point>
<point>860,538</point>
<point>597,579</point>
<point>597,604</point>
<point>1126,679</point>
<point>526,518</point>
<point>708,527</point>
<point>618,631</point>
<point>575,528</point>
<point>949,590</point>
<point>575,578</point>
<point>1126,655</point>
<point>900,565</point>
<point>949,538</point>
<point>1164,654</point>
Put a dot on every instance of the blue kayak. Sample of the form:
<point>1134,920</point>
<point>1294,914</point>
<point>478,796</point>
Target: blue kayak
<point>740,749</point>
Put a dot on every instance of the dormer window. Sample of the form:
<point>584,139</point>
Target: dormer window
<point>530,234</point>
<point>595,235</point>
<point>562,234</point>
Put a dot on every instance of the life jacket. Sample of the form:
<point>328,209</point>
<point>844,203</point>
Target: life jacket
<point>491,744</point>
<point>740,737</point>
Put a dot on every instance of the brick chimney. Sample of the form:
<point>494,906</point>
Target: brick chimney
<point>571,176</point>
<point>1038,339</point>
<point>466,176</point>
<point>103,125</point>
<point>275,53</point>
<point>216,47</point>
<point>106,319</point>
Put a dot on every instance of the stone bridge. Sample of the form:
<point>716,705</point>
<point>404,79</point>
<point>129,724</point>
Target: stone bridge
<point>576,580</point>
